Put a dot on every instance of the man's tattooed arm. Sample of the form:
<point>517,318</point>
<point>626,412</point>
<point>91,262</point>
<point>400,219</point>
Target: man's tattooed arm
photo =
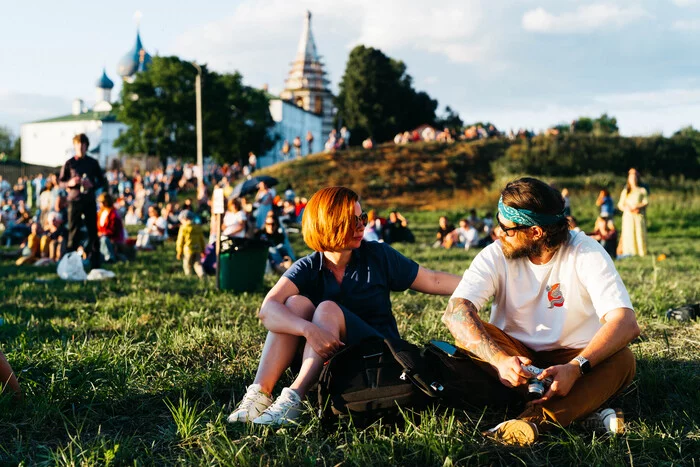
<point>463,322</point>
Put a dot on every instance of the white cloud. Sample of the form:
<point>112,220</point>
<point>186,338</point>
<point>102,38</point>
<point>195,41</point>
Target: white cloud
<point>664,98</point>
<point>686,25</point>
<point>586,18</point>
<point>685,3</point>
<point>263,32</point>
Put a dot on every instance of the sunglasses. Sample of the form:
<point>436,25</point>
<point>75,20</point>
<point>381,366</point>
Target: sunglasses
<point>361,219</point>
<point>510,229</point>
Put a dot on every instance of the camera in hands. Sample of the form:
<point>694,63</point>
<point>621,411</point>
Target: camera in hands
<point>535,387</point>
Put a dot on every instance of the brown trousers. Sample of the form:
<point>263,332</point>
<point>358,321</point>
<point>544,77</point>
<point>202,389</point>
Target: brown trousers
<point>590,392</point>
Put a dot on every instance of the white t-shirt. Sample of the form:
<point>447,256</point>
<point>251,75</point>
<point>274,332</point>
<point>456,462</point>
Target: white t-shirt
<point>233,220</point>
<point>549,306</point>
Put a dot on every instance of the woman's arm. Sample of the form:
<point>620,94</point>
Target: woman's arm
<point>435,282</point>
<point>275,315</point>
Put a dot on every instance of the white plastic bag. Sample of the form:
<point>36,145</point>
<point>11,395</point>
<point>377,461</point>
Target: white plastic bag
<point>70,268</point>
<point>100,274</point>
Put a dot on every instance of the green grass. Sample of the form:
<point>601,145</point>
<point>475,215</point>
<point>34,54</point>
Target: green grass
<point>145,368</point>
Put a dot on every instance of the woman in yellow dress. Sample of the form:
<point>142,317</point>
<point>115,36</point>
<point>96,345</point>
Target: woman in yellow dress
<point>633,202</point>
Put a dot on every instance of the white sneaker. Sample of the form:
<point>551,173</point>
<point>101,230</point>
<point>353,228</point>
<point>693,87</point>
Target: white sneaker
<point>606,421</point>
<point>251,406</point>
<point>286,409</point>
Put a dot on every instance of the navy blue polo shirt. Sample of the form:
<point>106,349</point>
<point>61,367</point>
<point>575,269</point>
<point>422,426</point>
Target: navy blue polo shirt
<point>374,270</point>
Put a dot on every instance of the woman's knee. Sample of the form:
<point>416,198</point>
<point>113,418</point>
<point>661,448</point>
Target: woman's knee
<point>300,306</point>
<point>328,310</point>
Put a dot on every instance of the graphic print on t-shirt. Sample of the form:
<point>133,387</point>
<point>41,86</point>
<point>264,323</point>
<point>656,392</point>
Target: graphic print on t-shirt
<point>554,296</point>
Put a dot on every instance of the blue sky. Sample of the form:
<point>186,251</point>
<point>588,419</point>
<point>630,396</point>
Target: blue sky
<point>518,63</point>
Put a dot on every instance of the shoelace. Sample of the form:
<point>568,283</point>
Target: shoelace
<point>281,406</point>
<point>248,399</point>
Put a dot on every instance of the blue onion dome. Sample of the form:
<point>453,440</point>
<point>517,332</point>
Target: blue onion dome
<point>137,59</point>
<point>104,82</point>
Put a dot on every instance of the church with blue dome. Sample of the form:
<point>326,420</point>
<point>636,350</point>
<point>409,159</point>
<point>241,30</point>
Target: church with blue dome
<point>304,106</point>
<point>48,142</point>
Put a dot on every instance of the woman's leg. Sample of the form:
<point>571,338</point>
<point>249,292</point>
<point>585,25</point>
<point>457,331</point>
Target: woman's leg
<point>8,378</point>
<point>330,317</point>
<point>279,349</point>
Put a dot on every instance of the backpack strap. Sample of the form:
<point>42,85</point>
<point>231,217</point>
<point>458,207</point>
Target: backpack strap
<point>409,356</point>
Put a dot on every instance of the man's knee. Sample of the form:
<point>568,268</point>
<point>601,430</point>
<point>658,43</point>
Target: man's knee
<point>625,364</point>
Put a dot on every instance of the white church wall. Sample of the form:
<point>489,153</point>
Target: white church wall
<point>291,121</point>
<point>51,143</point>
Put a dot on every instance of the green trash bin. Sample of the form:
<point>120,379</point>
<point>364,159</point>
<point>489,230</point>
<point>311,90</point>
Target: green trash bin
<point>243,266</point>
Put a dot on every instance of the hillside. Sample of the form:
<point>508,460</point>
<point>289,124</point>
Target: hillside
<point>419,176</point>
<point>431,176</point>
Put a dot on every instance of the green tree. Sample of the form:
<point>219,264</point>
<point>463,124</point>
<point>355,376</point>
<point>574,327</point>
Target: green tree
<point>583,125</point>
<point>605,125</point>
<point>5,140</point>
<point>159,110</point>
<point>377,97</point>
<point>16,153</point>
<point>449,119</point>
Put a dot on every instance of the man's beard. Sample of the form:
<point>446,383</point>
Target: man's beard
<point>531,248</point>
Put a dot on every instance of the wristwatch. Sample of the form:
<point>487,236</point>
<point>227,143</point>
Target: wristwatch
<point>583,364</point>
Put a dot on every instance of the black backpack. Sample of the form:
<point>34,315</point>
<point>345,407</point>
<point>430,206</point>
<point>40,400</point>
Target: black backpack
<point>372,379</point>
<point>376,377</point>
<point>462,383</point>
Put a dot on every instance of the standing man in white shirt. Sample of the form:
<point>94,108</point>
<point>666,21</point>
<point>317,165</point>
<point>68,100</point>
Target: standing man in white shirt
<point>559,304</point>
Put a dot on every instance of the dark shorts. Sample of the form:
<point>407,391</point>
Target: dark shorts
<point>356,329</point>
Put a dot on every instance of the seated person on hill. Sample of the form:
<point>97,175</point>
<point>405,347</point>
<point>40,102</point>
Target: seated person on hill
<point>173,224</point>
<point>305,311</point>
<point>443,237</point>
<point>606,235</point>
<point>558,304</point>
<point>288,216</point>
<point>373,229</point>
<point>131,217</point>
<point>155,231</point>
<point>465,236</point>
<point>280,254</point>
<point>110,230</point>
<point>234,224</point>
<point>31,246</point>
<point>473,219</point>
<point>53,242</point>
<point>396,229</point>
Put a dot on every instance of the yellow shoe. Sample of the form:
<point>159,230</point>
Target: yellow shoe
<point>514,432</point>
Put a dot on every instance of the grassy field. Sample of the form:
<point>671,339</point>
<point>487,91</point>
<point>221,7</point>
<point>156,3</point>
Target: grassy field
<point>145,368</point>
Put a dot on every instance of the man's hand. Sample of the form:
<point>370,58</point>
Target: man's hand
<point>86,183</point>
<point>323,342</point>
<point>74,181</point>
<point>563,376</point>
<point>510,371</point>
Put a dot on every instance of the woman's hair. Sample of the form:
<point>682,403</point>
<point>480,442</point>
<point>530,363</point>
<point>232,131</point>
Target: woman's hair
<point>328,218</point>
<point>535,195</point>
<point>106,200</point>
<point>234,203</point>
<point>628,187</point>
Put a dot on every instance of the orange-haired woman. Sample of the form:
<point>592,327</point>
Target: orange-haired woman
<point>336,296</point>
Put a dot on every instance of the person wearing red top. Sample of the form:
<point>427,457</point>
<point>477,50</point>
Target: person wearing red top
<point>110,229</point>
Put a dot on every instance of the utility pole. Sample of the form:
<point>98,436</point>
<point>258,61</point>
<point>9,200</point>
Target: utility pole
<point>198,95</point>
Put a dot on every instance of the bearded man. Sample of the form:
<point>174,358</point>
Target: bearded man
<point>559,304</point>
